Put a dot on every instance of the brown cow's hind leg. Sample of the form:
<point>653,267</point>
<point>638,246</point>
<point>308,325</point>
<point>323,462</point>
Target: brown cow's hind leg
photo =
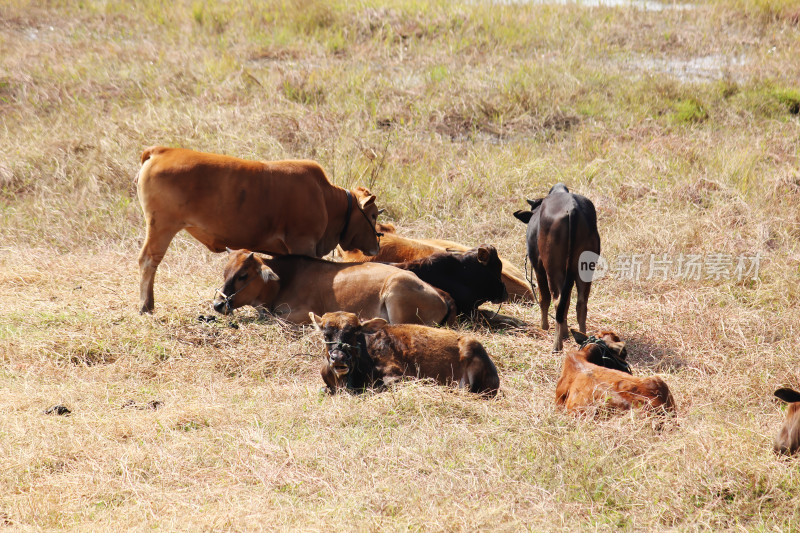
<point>153,250</point>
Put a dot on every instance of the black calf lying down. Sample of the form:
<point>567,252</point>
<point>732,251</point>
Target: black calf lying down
<point>359,355</point>
<point>471,277</point>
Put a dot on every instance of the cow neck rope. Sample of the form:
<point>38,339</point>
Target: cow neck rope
<point>378,234</point>
<point>229,299</point>
<point>347,215</point>
<point>533,285</point>
<point>605,352</point>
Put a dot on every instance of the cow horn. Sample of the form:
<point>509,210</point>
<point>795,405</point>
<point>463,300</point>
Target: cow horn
<point>314,319</point>
<point>228,250</point>
<point>381,211</point>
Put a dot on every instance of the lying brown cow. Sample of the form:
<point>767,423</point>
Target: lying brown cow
<point>561,227</point>
<point>597,378</point>
<point>278,207</point>
<point>291,286</point>
<point>362,355</point>
<point>397,249</point>
<point>788,440</point>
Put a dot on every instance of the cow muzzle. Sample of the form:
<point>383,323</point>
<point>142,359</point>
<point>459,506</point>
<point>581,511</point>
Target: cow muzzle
<point>222,306</point>
<point>340,359</point>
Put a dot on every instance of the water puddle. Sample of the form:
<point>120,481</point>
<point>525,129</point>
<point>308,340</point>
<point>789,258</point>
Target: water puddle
<point>646,5</point>
<point>696,69</point>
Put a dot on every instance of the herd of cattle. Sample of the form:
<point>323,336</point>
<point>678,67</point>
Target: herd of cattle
<point>375,308</point>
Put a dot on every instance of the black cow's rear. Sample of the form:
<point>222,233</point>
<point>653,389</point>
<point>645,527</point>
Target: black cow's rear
<point>561,227</point>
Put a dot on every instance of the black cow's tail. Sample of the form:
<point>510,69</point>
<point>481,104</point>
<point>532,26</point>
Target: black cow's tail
<point>569,279</point>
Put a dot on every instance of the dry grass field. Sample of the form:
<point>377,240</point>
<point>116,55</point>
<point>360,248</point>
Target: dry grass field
<point>679,121</point>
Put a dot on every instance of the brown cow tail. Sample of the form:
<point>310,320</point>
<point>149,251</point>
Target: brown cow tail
<point>146,154</point>
<point>569,279</point>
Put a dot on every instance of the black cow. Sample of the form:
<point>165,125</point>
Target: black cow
<point>561,227</point>
<point>471,278</point>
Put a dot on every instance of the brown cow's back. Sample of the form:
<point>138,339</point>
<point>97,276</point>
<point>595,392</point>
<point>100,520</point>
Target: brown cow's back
<point>233,200</point>
<point>398,249</point>
<point>307,285</point>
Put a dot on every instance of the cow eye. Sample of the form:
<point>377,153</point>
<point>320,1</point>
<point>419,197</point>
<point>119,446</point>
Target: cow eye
<point>243,276</point>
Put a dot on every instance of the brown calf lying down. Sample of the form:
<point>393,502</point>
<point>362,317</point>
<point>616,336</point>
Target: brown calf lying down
<point>360,355</point>
<point>276,207</point>
<point>397,249</point>
<point>291,286</point>
<point>788,440</point>
<point>597,378</point>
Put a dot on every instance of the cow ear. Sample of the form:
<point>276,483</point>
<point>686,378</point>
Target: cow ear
<point>579,337</point>
<point>788,395</point>
<point>524,216</point>
<point>315,320</point>
<point>535,203</point>
<point>373,326</point>
<point>484,254</point>
<point>387,227</point>
<point>618,348</point>
<point>368,201</point>
<point>267,274</point>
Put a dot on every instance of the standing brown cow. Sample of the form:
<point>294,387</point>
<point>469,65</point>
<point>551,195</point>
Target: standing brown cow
<point>276,207</point>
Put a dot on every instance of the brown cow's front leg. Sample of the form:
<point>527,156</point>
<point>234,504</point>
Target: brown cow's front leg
<point>544,295</point>
<point>153,250</point>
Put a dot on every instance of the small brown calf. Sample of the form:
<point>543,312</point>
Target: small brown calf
<point>373,353</point>
<point>597,377</point>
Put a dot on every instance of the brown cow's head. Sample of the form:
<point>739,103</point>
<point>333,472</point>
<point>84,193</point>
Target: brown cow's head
<point>248,281</point>
<point>605,349</point>
<point>788,440</point>
<point>343,335</point>
<point>361,233</point>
